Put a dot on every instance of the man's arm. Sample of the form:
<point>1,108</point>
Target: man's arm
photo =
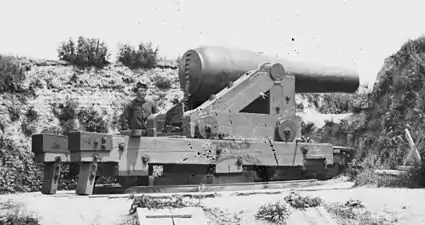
<point>126,117</point>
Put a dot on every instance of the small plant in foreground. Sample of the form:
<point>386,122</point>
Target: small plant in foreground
<point>277,212</point>
<point>354,212</point>
<point>150,202</point>
<point>299,202</point>
<point>12,216</point>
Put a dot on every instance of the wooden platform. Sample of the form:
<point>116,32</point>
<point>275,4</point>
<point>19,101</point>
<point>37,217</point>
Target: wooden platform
<point>108,190</point>
<point>196,216</point>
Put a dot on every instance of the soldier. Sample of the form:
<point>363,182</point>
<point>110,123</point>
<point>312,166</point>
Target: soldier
<point>135,116</point>
<point>137,111</point>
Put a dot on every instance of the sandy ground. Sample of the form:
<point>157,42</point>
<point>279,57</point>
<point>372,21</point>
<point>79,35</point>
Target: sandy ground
<point>406,205</point>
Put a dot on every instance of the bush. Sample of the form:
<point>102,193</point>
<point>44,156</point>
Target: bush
<point>14,112</point>
<point>66,113</point>
<point>28,128</point>
<point>145,56</point>
<point>162,82</point>
<point>299,202</point>
<point>92,121</point>
<point>150,202</point>
<point>276,213</point>
<point>13,217</point>
<point>18,171</point>
<point>354,212</point>
<point>31,115</point>
<point>12,74</point>
<point>86,53</point>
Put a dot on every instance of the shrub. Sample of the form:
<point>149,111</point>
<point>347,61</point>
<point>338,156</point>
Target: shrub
<point>299,202</point>
<point>12,74</point>
<point>354,212</point>
<point>162,82</point>
<point>145,56</point>
<point>18,171</point>
<point>66,113</point>
<point>14,112</point>
<point>28,128</point>
<point>13,217</point>
<point>31,115</point>
<point>92,121</point>
<point>276,213</point>
<point>150,202</point>
<point>37,83</point>
<point>86,53</point>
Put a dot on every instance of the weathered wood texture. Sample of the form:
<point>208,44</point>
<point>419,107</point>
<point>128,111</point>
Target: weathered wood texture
<point>413,151</point>
<point>134,154</point>
<point>47,147</point>
<point>89,141</point>
<point>51,176</point>
<point>42,143</point>
<point>224,187</point>
<point>86,178</point>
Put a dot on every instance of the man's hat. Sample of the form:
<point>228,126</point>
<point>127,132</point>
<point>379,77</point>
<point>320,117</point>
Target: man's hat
<point>139,85</point>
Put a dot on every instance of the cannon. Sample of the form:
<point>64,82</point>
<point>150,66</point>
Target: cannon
<point>207,70</point>
<point>236,124</point>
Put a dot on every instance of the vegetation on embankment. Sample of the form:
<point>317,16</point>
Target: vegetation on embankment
<point>85,90</point>
<point>82,90</point>
<point>396,102</point>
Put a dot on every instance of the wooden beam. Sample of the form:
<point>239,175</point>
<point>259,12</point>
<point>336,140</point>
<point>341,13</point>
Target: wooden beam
<point>163,150</point>
<point>223,187</point>
<point>42,143</point>
<point>413,151</point>
<point>89,141</point>
<point>86,178</point>
<point>51,176</point>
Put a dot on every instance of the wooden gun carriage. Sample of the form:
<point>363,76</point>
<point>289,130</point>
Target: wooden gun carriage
<point>236,123</point>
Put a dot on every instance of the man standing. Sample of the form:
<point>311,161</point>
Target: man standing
<point>137,111</point>
<point>135,116</point>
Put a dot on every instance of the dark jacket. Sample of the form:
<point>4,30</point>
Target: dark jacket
<point>137,112</point>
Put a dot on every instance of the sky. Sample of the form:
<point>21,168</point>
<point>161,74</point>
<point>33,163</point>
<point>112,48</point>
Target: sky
<point>357,34</point>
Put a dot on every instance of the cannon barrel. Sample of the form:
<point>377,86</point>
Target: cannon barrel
<point>208,69</point>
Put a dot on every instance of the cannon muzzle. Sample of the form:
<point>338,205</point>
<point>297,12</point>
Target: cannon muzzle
<point>208,69</point>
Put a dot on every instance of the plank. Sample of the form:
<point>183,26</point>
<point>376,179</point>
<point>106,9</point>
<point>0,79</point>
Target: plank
<point>390,172</point>
<point>221,187</point>
<point>118,151</point>
<point>89,141</point>
<point>238,125</point>
<point>134,133</point>
<point>413,151</point>
<point>162,150</point>
<point>49,143</point>
<point>51,157</point>
<point>176,216</point>
<point>166,151</point>
<point>404,168</point>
